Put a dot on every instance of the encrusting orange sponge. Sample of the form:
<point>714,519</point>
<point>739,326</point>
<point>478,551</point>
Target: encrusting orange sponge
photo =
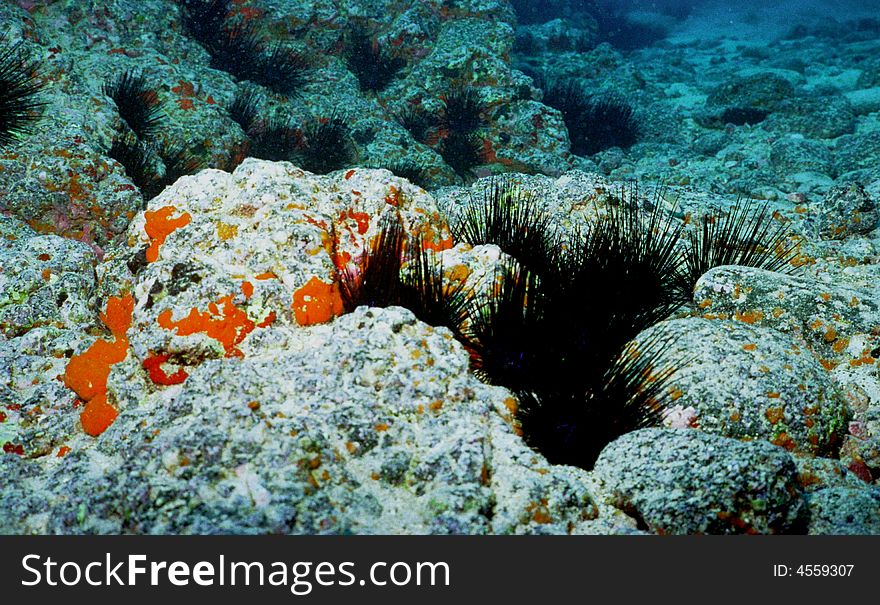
<point>317,302</point>
<point>86,374</point>
<point>97,415</point>
<point>153,366</point>
<point>159,225</point>
<point>229,327</point>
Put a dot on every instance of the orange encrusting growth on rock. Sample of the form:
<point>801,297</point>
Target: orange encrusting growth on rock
<point>86,374</point>
<point>361,218</point>
<point>316,302</point>
<point>97,415</point>
<point>270,319</point>
<point>159,225</point>
<point>229,327</point>
<point>153,366</point>
<point>117,316</point>
<point>444,244</point>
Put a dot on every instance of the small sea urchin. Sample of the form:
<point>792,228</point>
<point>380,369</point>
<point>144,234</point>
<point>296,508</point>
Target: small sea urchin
<point>372,63</point>
<point>137,103</point>
<point>327,145</point>
<point>19,86</point>
<point>594,123</point>
<point>138,160</point>
<point>236,47</point>
<point>462,112</point>
<point>381,279</point>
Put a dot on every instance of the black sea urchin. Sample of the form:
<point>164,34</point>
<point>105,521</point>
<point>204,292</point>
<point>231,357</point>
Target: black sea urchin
<point>381,280</point>
<point>137,103</point>
<point>508,216</point>
<point>462,152</point>
<point>462,112</point>
<point>556,331</point>
<point>558,326</point>
<point>236,47</point>
<point>244,109</point>
<point>594,123</point>
<point>745,236</point>
<point>275,141</point>
<point>373,64</point>
<point>139,163</point>
<point>327,145</point>
<point>19,86</point>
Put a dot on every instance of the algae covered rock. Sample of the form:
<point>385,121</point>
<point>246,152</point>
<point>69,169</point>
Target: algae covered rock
<point>45,280</point>
<point>368,424</point>
<point>792,154</point>
<point>857,151</point>
<point>765,90</point>
<point>247,405</point>
<point>682,481</point>
<point>839,323</point>
<point>258,246</point>
<point>815,116</point>
<point>847,210</point>
<point>841,511</point>
<point>766,387</point>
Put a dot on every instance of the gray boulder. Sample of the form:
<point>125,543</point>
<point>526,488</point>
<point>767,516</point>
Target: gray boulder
<point>841,511</point>
<point>681,481</point>
<point>751,383</point>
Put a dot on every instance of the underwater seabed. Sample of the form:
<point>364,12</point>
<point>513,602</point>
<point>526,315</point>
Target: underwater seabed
<point>436,267</point>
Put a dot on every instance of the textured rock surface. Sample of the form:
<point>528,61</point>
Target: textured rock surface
<point>766,387</point>
<point>762,91</point>
<point>681,481</point>
<point>369,424</point>
<point>841,511</point>
<point>837,322</point>
<point>796,154</point>
<point>230,274</point>
<point>846,211</point>
<point>46,280</point>
<point>840,325</point>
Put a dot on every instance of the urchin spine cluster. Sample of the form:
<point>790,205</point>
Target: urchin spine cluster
<point>136,147</point>
<point>559,327</point>
<point>236,47</point>
<point>594,123</point>
<point>20,105</point>
<point>371,62</point>
<point>321,145</point>
<point>453,131</point>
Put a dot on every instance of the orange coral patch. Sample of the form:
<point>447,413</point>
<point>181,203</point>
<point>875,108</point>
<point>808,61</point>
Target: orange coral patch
<point>229,327</point>
<point>749,317</point>
<point>153,366</point>
<point>361,218</point>
<point>117,316</point>
<point>159,225</point>
<point>97,415</point>
<point>270,319</point>
<point>443,244</point>
<point>316,302</point>
<point>86,374</point>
